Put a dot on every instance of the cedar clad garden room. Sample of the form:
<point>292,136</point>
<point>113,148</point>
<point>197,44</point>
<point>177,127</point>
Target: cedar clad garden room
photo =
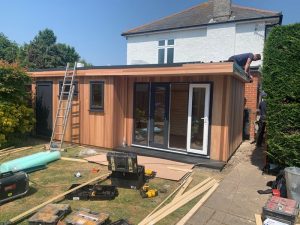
<point>184,109</point>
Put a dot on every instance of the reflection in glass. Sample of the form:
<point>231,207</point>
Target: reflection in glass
<point>197,125</point>
<point>159,115</point>
<point>141,110</point>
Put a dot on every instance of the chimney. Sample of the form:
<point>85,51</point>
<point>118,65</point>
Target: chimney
<point>221,10</point>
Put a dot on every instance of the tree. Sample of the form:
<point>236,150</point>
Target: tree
<point>8,49</point>
<point>43,52</point>
<point>281,81</point>
<point>15,116</point>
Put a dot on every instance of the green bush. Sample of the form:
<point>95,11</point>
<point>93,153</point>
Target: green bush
<point>281,81</point>
<point>15,116</point>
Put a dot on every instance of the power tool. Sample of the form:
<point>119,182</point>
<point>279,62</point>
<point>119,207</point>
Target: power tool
<point>147,192</point>
<point>150,173</point>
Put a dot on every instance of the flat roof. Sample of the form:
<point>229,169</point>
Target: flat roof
<point>176,69</point>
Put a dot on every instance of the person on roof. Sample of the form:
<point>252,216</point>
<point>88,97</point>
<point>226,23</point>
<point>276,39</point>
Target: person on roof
<point>245,60</point>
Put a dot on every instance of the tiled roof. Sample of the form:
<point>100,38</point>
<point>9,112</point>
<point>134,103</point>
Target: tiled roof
<point>200,15</point>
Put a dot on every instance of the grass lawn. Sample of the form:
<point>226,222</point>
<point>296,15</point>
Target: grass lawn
<point>59,176</point>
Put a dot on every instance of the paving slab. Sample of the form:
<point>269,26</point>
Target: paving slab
<point>236,200</point>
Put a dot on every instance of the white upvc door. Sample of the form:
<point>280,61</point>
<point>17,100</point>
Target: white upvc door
<point>198,118</point>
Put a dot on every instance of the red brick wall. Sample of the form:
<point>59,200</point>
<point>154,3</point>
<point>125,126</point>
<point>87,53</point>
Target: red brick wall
<point>251,95</point>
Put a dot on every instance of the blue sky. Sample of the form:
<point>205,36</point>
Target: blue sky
<point>94,27</point>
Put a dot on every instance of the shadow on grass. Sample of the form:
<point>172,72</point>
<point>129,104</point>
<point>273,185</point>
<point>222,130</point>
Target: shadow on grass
<point>30,192</point>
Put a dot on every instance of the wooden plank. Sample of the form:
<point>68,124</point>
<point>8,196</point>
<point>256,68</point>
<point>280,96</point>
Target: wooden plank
<point>198,205</point>
<point>5,149</point>
<point>173,206</point>
<point>73,160</point>
<point>258,219</point>
<point>12,151</point>
<point>184,187</point>
<point>179,198</point>
<point>34,209</point>
<point>167,198</point>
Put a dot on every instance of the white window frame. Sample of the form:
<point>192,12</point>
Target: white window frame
<point>165,48</point>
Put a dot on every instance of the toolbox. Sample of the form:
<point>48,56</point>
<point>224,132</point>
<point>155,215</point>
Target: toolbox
<point>13,185</point>
<point>129,180</point>
<point>87,217</point>
<point>122,162</point>
<point>281,209</point>
<point>93,192</point>
<point>50,214</point>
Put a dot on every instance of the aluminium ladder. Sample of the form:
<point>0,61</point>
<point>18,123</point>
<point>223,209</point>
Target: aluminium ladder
<point>63,110</point>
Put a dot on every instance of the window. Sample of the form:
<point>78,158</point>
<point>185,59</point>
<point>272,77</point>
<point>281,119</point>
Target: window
<point>161,56</point>
<point>170,54</point>
<point>97,95</point>
<point>166,51</point>
<point>67,88</point>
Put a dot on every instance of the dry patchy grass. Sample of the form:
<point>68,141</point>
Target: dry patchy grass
<point>59,176</point>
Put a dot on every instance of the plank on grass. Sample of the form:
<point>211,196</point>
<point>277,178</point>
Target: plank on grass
<point>198,205</point>
<point>73,160</point>
<point>34,209</point>
<point>167,198</point>
<point>173,206</point>
<point>184,187</point>
<point>178,199</point>
<point>8,152</point>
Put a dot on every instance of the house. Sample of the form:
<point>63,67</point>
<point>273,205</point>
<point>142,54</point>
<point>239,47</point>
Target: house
<point>157,105</point>
<point>185,110</point>
<point>211,31</point>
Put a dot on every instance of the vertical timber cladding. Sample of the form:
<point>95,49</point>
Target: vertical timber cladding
<point>225,124</point>
<point>96,127</point>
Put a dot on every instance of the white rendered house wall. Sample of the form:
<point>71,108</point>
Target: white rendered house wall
<point>212,43</point>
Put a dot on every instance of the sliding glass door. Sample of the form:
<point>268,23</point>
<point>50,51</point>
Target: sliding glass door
<point>141,114</point>
<point>172,116</point>
<point>159,115</point>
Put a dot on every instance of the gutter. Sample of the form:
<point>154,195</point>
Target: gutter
<point>204,25</point>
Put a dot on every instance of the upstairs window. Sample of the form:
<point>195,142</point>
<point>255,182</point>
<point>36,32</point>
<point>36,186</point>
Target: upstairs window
<point>97,95</point>
<point>166,51</point>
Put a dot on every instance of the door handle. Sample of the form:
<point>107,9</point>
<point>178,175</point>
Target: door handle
<point>205,119</point>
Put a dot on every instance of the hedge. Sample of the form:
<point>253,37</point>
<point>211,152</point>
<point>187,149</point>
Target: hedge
<point>281,81</point>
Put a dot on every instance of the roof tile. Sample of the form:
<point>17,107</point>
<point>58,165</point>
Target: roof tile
<point>199,15</point>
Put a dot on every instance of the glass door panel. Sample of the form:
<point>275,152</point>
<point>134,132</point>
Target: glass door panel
<point>141,114</point>
<point>198,115</point>
<point>159,115</point>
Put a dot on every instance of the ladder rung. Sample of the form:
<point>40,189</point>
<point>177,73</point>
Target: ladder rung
<point>58,133</point>
<point>60,116</point>
<point>64,92</point>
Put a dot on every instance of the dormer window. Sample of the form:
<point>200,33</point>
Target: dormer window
<point>166,51</point>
